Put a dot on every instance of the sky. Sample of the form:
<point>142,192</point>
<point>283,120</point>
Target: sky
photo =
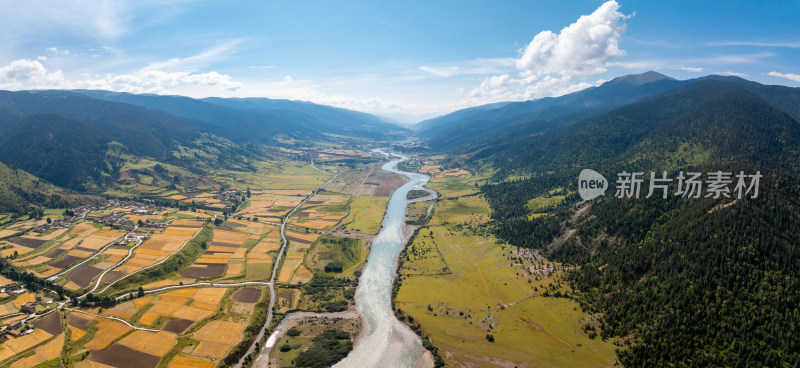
<point>408,59</point>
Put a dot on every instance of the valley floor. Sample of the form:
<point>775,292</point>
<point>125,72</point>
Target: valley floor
<point>484,303</point>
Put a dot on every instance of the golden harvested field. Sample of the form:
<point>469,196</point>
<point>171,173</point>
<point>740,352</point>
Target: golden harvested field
<point>76,334</point>
<point>158,247</point>
<point>217,337</point>
<point>79,253</point>
<point>234,269</point>
<point>153,343</point>
<point>193,223</point>
<point>52,235</point>
<point>181,361</point>
<point>23,298</point>
<point>47,272</point>
<point>265,245</point>
<point>230,237</point>
<point>5,233</point>
<point>289,265</point>
<point>209,295</point>
<point>48,351</point>
<point>33,261</point>
<point>192,304</point>
<point>16,346</point>
<point>4,280</point>
<point>301,276</point>
<point>179,232</point>
<point>107,331</point>
<point>309,238</point>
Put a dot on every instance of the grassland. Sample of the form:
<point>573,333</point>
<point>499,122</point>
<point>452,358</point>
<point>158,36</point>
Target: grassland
<point>302,335</point>
<point>461,287</point>
<point>348,253</point>
<point>366,215</point>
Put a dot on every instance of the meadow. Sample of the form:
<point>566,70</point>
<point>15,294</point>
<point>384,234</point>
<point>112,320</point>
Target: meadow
<point>463,288</point>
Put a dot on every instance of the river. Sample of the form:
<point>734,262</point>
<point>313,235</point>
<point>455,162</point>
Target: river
<point>389,343</point>
<point>385,341</point>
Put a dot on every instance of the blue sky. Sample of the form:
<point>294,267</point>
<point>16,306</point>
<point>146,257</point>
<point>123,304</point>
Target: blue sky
<point>404,59</point>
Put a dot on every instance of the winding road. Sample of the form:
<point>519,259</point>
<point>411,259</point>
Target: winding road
<point>284,244</point>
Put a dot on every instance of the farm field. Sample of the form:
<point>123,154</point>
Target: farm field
<point>461,287</point>
<point>235,245</point>
<point>158,247</point>
<point>292,270</point>
<point>192,327</point>
<point>63,248</point>
<point>275,174</point>
<point>272,205</point>
<point>366,215</point>
<point>322,211</point>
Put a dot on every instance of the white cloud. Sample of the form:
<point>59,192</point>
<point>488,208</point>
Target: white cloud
<point>734,74</point>
<point>477,66</point>
<point>692,69</point>
<point>757,44</point>
<point>789,76</point>
<point>753,58</point>
<point>441,71</point>
<point>206,57</point>
<point>23,73</point>
<point>32,74</point>
<point>583,48</point>
<point>554,64</point>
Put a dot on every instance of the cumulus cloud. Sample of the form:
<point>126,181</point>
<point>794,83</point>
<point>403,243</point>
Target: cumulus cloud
<point>582,48</point>
<point>789,76</point>
<point>692,69</point>
<point>32,74</point>
<point>554,64</point>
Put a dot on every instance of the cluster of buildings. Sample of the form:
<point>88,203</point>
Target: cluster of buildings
<point>229,196</point>
<point>115,220</point>
<point>18,327</point>
<point>55,225</point>
<point>131,237</point>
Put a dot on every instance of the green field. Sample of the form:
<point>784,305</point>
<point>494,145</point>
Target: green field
<point>278,174</point>
<point>366,215</point>
<point>326,249</point>
<point>493,289</point>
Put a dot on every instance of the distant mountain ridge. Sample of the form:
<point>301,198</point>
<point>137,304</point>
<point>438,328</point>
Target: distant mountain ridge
<point>466,127</point>
<point>243,119</point>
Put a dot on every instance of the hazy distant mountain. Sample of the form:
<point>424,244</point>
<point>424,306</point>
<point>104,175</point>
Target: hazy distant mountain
<point>256,118</point>
<point>325,117</point>
<point>467,126</point>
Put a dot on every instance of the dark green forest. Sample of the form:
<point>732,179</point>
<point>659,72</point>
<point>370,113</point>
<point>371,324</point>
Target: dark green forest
<point>683,281</point>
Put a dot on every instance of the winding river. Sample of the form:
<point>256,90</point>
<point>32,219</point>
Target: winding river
<point>389,343</point>
<point>385,341</point>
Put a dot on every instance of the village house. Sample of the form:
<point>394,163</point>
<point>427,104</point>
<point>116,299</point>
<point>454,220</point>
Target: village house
<point>13,288</point>
<point>29,307</point>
